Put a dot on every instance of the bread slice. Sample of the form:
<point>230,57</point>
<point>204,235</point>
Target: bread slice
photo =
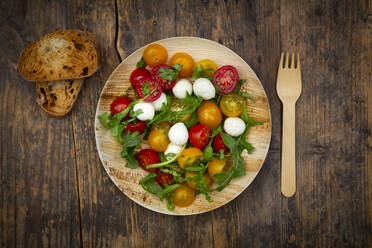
<point>57,97</point>
<point>60,55</point>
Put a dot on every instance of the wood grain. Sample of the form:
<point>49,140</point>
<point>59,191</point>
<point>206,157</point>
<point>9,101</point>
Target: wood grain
<point>333,203</point>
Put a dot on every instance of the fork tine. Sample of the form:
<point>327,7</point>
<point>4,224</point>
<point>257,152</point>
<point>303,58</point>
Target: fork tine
<point>281,61</point>
<point>293,61</point>
<point>298,61</point>
<point>287,61</point>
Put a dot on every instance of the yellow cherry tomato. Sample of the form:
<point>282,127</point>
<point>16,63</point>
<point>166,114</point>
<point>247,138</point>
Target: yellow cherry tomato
<point>191,184</point>
<point>184,196</point>
<point>207,63</point>
<point>189,157</point>
<point>155,54</point>
<point>216,166</point>
<point>158,140</point>
<point>186,61</point>
<point>179,105</point>
<point>232,105</point>
<point>209,114</point>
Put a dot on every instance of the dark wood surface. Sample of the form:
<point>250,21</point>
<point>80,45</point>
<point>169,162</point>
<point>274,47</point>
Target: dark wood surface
<point>55,192</point>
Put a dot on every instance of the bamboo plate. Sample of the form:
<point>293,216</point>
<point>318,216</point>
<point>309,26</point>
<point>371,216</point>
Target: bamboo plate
<point>127,180</point>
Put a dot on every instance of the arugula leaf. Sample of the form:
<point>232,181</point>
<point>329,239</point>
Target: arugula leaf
<point>172,172</point>
<point>104,118</point>
<point>168,189</point>
<point>131,141</point>
<point>166,163</point>
<point>247,95</point>
<point>170,74</point>
<point>222,154</point>
<point>216,131</point>
<point>240,83</point>
<point>141,63</point>
<point>117,131</point>
<point>148,184</point>
<point>245,117</point>
<point>192,120</point>
<point>163,114</point>
<point>200,73</point>
<point>208,152</point>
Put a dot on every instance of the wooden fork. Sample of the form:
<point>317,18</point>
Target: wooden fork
<point>288,87</point>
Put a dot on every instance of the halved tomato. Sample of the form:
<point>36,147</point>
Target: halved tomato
<point>148,84</point>
<point>226,78</point>
<point>165,84</point>
<point>138,75</point>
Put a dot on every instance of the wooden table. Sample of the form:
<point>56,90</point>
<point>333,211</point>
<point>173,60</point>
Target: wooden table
<point>55,192</point>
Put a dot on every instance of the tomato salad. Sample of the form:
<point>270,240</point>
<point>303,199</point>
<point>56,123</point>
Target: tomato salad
<point>194,118</point>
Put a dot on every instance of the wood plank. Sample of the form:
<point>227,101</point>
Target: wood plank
<point>330,206</point>
<point>38,197</point>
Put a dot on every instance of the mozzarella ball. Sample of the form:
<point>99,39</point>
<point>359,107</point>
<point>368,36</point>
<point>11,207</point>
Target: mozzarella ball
<point>172,149</point>
<point>204,88</point>
<point>158,104</point>
<point>183,85</point>
<point>148,111</point>
<point>178,134</point>
<point>234,126</point>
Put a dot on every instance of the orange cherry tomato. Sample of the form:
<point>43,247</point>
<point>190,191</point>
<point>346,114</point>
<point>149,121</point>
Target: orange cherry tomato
<point>155,54</point>
<point>186,61</point>
<point>207,64</point>
<point>209,114</point>
<point>184,196</point>
<point>189,157</point>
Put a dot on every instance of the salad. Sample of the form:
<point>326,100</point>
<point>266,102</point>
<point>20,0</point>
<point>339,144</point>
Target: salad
<point>194,119</point>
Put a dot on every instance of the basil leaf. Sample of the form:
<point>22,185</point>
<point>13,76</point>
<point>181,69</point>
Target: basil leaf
<point>104,118</point>
<point>146,89</point>
<point>141,63</point>
<point>168,74</point>
<point>131,141</point>
<point>177,67</point>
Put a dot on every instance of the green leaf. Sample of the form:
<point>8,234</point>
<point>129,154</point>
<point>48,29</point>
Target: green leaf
<point>208,152</point>
<point>167,190</point>
<point>177,67</point>
<point>229,141</point>
<point>216,131</point>
<point>148,183</point>
<point>200,73</point>
<point>247,95</point>
<point>240,83</point>
<point>169,74</point>
<point>104,118</point>
<point>169,171</point>
<point>222,154</point>
<point>164,114</point>
<point>131,141</point>
<point>165,163</point>
<point>141,63</point>
<point>146,89</point>
<point>192,120</point>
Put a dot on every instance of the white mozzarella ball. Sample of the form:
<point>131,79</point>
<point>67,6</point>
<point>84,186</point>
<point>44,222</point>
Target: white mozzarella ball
<point>234,126</point>
<point>178,134</point>
<point>158,104</point>
<point>148,111</point>
<point>172,150</point>
<point>204,88</point>
<point>183,85</point>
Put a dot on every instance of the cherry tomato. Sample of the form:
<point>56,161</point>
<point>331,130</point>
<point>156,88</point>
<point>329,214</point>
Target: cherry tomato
<point>209,114</point>
<point>155,54</point>
<point>207,63</point>
<point>191,184</point>
<point>164,178</point>
<point>184,196</point>
<point>165,84</point>
<point>152,84</point>
<point>232,105</point>
<point>186,61</point>
<point>218,144</point>
<point>226,78</point>
<point>189,157</point>
<point>179,105</point>
<point>146,157</point>
<point>139,126</point>
<point>158,140</point>
<point>119,104</point>
<point>216,166</point>
<point>199,135</point>
<point>138,75</point>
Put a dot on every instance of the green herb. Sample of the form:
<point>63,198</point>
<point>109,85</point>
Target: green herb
<point>200,185</point>
<point>245,117</point>
<point>167,190</point>
<point>192,120</point>
<point>131,141</point>
<point>208,152</point>
<point>200,73</point>
<point>104,118</point>
<point>170,74</point>
<point>222,154</point>
<point>141,63</point>
<point>146,88</point>
<point>163,114</point>
<point>216,131</point>
<point>240,83</point>
<point>247,95</point>
<point>165,163</point>
<point>169,171</point>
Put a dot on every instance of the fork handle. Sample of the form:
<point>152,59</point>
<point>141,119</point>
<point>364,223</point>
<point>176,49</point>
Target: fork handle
<point>289,150</point>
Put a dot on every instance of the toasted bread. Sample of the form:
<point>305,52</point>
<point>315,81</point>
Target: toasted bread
<point>60,55</point>
<point>57,97</point>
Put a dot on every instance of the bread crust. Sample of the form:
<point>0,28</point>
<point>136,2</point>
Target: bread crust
<point>60,55</point>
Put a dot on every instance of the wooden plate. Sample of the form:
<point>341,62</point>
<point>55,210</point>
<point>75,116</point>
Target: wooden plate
<point>127,180</point>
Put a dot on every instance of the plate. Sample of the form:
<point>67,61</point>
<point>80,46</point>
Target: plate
<point>127,180</point>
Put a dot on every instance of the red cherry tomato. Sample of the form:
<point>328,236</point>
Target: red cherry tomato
<point>152,84</point>
<point>165,84</point>
<point>119,104</point>
<point>218,144</point>
<point>226,78</point>
<point>146,157</point>
<point>199,135</point>
<point>164,178</point>
<point>138,75</point>
<point>139,126</point>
